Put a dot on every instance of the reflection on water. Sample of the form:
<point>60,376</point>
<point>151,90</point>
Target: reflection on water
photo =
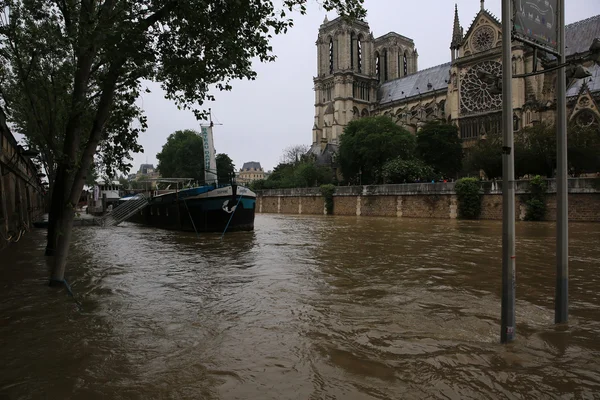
<point>301,308</point>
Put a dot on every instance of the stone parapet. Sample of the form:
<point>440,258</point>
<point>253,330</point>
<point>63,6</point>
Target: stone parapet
<point>428,200</point>
<point>576,185</point>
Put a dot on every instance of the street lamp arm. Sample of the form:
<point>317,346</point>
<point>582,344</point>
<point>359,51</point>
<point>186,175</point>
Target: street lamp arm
<point>578,72</point>
<point>542,71</point>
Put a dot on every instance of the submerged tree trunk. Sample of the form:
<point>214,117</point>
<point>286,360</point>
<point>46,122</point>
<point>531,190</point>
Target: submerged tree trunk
<point>65,230</point>
<point>72,176</point>
<point>57,201</point>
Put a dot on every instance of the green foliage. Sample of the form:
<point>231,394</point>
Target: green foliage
<point>124,182</point>
<point>398,170</point>
<point>182,156</point>
<point>260,184</point>
<point>296,175</point>
<point>536,201</point>
<point>469,198</point>
<point>439,145</point>
<point>584,149</point>
<point>282,177</point>
<point>327,191</point>
<point>92,176</point>
<point>535,151</point>
<point>486,155</point>
<point>225,168</point>
<point>367,144</point>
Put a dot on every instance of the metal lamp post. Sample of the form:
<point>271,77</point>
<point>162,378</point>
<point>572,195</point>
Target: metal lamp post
<point>507,333</point>
<point>561,306</point>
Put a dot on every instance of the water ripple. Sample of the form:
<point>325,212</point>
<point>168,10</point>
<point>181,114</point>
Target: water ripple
<point>301,308</point>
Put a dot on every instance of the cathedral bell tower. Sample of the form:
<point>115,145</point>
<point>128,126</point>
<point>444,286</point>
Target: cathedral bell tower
<point>346,84</point>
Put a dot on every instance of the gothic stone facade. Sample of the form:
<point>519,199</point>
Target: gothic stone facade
<point>359,75</point>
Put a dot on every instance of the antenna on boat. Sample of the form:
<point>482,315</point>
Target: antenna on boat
<point>210,118</point>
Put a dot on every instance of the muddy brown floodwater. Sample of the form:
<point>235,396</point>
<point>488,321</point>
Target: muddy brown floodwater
<point>301,308</point>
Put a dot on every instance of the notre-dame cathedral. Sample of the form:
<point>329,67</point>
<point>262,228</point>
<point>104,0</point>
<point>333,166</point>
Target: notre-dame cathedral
<point>360,75</point>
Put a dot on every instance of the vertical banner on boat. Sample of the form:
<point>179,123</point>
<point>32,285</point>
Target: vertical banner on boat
<point>210,162</point>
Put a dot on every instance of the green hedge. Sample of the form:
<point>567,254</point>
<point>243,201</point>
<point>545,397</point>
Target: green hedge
<point>327,192</point>
<point>469,198</point>
<point>536,199</point>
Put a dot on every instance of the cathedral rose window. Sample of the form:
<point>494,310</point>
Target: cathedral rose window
<point>476,87</point>
<point>585,118</point>
<point>483,38</point>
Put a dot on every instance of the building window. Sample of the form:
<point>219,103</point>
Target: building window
<point>328,92</point>
<point>377,67</point>
<point>405,61</point>
<point>385,65</point>
<point>471,128</point>
<point>360,90</point>
<point>359,53</point>
<point>331,55</point>
<point>516,126</point>
<point>399,64</point>
<point>352,50</point>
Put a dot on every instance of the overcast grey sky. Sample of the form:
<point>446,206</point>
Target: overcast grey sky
<point>262,117</point>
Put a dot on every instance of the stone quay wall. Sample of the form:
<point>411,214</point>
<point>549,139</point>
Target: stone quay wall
<point>428,200</point>
<point>22,195</point>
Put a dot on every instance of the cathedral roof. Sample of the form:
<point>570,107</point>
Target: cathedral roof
<point>415,84</point>
<point>593,82</point>
<point>579,35</point>
<point>324,156</point>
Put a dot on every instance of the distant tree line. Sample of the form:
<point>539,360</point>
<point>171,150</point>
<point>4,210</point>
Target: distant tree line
<point>297,168</point>
<point>375,150</point>
<point>535,152</point>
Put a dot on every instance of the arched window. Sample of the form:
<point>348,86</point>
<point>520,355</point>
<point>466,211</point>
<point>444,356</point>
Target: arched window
<point>385,65</point>
<point>377,67</point>
<point>399,71</point>
<point>331,55</point>
<point>359,53</point>
<point>352,50</point>
<point>405,62</point>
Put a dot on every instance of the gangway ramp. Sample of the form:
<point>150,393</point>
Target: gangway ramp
<point>124,211</point>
